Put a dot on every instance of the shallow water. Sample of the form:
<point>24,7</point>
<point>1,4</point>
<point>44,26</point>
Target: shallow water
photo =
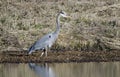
<point>92,69</point>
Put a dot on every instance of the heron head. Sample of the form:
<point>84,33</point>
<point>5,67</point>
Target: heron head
<point>62,13</point>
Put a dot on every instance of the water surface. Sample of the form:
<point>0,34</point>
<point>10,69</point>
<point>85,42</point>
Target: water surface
<point>92,69</point>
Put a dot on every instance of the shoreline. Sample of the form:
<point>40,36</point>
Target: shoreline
<point>59,57</point>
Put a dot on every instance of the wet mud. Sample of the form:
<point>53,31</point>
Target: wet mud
<point>59,57</point>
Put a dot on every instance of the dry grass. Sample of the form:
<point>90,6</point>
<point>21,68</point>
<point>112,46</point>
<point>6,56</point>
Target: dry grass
<point>94,24</point>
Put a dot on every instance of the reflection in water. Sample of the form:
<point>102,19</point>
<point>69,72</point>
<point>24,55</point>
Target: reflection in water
<point>92,69</point>
<point>42,70</point>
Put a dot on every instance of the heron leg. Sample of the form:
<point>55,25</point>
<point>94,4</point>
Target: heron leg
<point>46,51</point>
<point>43,51</point>
<point>47,48</point>
<point>42,54</point>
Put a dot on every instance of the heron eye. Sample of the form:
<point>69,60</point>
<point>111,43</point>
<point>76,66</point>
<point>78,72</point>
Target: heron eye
<point>49,36</point>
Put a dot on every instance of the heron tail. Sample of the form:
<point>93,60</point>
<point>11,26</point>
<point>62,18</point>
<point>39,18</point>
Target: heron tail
<point>30,50</point>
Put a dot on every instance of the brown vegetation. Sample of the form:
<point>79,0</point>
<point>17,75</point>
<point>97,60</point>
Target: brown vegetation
<point>94,24</point>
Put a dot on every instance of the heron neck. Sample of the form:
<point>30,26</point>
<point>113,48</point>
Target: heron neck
<point>58,24</point>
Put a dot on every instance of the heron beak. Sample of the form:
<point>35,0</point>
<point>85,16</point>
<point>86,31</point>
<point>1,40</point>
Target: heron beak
<point>68,16</point>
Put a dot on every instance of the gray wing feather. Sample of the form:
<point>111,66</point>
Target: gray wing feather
<point>41,43</point>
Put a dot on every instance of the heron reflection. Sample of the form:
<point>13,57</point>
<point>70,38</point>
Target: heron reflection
<point>42,70</point>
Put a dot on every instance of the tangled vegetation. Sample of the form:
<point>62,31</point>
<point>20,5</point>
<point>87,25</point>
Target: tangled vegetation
<point>94,24</point>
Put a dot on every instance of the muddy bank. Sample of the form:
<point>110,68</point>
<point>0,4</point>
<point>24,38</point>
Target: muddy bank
<point>60,57</point>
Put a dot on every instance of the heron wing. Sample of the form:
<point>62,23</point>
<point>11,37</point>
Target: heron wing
<point>42,42</point>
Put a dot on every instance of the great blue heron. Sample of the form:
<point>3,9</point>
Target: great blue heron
<point>48,40</point>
